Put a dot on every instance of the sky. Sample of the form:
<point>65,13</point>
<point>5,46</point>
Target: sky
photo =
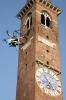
<point>9,56</point>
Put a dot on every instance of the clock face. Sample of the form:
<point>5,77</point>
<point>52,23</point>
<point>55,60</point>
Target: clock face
<point>48,82</point>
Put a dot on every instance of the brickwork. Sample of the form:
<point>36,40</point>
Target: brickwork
<point>33,50</point>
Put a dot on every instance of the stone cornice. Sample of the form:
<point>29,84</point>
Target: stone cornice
<point>44,2</point>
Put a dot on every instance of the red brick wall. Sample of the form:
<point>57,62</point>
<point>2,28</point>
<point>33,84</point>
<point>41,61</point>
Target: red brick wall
<point>27,88</point>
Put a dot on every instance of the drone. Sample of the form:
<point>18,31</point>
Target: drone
<point>12,40</point>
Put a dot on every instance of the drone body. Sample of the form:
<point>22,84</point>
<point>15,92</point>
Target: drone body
<point>13,40</point>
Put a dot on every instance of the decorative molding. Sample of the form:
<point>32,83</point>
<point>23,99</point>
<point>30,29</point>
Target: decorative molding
<point>45,41</point>
<point>30,4</point>
<point>27,44</point>
<point>40,62</point>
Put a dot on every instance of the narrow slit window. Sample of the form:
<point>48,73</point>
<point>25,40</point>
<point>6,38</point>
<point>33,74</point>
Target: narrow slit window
<point>47,62</point>
<point>47,51</point>
<point>47,37</point>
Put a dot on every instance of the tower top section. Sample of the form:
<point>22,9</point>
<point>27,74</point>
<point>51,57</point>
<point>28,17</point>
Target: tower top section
<point>46,3</point>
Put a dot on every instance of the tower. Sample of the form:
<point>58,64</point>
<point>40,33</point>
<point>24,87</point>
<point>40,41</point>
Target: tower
<point>39,71</point>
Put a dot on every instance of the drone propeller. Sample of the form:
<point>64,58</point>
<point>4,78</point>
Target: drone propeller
<point>15,33</point>
<point>8,33</point>
<point>5,40</point>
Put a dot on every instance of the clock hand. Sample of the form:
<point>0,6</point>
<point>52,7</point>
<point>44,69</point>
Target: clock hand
<point>46,78</point>
<point>49,85</point>
<point>52,85</point>
<point>44,81</point>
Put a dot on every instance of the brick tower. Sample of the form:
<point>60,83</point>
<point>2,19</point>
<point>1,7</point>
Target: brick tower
<point>39,71</point>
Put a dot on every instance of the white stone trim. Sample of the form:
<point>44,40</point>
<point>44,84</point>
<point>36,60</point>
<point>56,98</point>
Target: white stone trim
<point>45,41</point>
<point>27,44</point>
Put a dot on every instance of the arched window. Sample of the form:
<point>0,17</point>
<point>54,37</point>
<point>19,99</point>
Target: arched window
<point>29,21</point>
<point>46,19</point>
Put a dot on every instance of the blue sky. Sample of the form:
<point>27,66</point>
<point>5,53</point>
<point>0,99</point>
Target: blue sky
<point>9,56</point>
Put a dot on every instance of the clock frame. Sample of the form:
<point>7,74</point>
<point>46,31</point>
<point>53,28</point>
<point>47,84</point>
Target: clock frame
<point>48,81</point>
